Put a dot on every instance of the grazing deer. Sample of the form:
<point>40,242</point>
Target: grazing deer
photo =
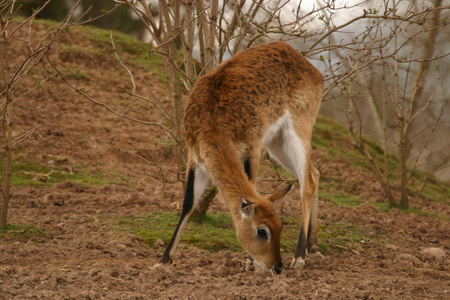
<point>265,96</point>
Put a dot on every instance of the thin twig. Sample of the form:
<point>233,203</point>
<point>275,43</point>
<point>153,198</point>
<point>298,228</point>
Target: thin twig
<point>79,91</point>
<point>320,168</point>
<point>24,136</point>
<point>122,64</point>
<point>420,191</point>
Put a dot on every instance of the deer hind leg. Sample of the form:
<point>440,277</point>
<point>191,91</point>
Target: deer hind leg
<point>312,234</point>
<point>307,241</point>
<point>291,152</point>
<point>197,180</point>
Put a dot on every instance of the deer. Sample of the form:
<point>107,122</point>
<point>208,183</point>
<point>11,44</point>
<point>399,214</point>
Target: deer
<point>267,96</point>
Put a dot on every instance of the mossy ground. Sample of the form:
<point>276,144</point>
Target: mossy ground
<point>215,232</point>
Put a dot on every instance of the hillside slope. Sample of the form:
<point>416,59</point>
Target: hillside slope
<point>84,202</point>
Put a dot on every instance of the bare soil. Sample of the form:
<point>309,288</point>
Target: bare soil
<point>80,255</point>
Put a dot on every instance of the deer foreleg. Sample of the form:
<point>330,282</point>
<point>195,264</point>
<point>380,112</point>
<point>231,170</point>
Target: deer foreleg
<point>196,182</point>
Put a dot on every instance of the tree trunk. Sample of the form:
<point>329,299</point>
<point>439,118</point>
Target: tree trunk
<point>6,124</point>
<point>7,131</point>
<point>404,202</point>
<point>174,82</point>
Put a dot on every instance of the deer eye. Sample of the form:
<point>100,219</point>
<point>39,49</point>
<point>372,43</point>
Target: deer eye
<point>262,233</point>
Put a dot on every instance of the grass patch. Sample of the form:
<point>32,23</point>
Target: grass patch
<point>345,200</point>
<point>329,135</point>
<point>20,232</point>
<point>76,74</point>
<point>335,140</point>
<point>382,207</point>
<point>338,237</point>
<point>351,201</point>
<point>417,211</point>
<point>123,42</point>
<point>27,174</point>
<point>434,189</point>
<point>216,232</point>
<point>332,238</point>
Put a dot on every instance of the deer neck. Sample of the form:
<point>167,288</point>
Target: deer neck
<point>227,171</point>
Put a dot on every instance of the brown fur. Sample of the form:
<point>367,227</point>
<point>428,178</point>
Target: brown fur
<point>229,112</point>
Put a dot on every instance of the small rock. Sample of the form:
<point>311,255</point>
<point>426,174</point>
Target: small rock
<point>94,272</point>
<point>434,251</point>
<point>408,257</point>
<point>115,273</point>
<point>391,247</point>
<point>159,243</point>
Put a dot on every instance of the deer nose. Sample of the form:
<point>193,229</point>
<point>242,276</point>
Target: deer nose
<point>278,269</point>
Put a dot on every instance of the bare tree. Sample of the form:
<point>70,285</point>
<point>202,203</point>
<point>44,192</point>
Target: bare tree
<point>12,73</point>
<point>354,44</point>
<point>395,89</point>
<point>15,70</point>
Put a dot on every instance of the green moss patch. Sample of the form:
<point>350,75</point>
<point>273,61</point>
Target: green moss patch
<point>20,232</point>
<point>34,175</point>
<point>216,232</point>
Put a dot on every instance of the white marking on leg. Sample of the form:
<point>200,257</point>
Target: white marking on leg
<point>201,181</point>
<point>298,262</point>
<point>286,147</point>
<point>274,129</point>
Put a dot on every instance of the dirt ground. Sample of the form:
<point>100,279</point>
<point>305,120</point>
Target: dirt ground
<point>80,255</point>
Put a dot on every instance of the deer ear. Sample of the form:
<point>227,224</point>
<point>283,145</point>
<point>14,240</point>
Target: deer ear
<point>279,194</point>
<point>247,208</point>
